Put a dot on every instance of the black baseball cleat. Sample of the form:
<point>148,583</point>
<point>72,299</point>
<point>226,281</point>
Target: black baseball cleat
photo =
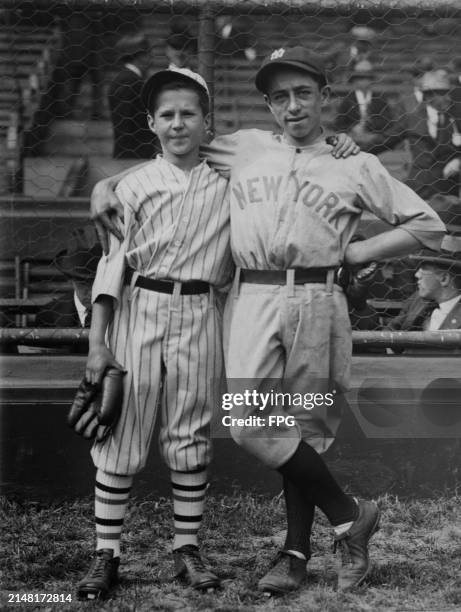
<point>189,567</point>
<point>354,546</point>
<point>101,577</point>
<point>287,574</point>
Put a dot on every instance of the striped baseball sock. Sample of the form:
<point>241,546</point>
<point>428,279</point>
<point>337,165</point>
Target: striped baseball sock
<point>188,504</point>
<point>111,500</point>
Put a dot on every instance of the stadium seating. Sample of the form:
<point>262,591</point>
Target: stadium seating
<point>26,63</point>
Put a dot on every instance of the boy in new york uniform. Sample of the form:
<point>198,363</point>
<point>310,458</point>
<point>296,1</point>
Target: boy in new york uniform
<point>294,210</point>
<point>154,300</point>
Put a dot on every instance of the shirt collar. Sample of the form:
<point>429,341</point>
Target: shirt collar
<point>432,114</point>
<point>134,69</point>
<point>319,140</point>
<point>363,97</point>
<point>446,306</point>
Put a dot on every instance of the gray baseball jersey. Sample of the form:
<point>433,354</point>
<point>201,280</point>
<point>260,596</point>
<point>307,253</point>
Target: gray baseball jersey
<point>298,208</point>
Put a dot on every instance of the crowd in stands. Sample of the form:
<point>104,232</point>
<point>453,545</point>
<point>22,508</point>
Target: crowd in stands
<point>426,122</point>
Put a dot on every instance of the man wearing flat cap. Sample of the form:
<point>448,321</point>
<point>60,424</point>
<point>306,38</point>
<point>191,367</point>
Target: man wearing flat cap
<point>364,113</point>
<point>436,304</point>
<point>434,139</point>
<point>132,137</point>
<point>294,209</point>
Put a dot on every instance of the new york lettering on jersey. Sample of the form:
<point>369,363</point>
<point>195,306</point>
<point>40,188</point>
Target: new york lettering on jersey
<point>315,196</point>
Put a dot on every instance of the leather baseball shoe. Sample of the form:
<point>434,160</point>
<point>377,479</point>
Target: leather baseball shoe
<point>287,574</point>
<point>354,546</point>
<point>101,577</point>
<point>189,566</point>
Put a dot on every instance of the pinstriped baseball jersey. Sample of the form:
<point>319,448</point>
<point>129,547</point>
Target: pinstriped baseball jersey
<point>298,208</point>
<point>176,227</point>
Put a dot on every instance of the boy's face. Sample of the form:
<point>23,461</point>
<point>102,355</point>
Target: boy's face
<point>295,99</point>
<point>179,123</point>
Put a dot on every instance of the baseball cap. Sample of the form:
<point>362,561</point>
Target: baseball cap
<point>291,57</point>
<point>158,79</point>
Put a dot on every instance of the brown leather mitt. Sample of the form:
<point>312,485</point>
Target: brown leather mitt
<point>96,408</point>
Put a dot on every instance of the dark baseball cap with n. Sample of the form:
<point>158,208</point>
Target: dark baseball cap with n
<point>290,57</point>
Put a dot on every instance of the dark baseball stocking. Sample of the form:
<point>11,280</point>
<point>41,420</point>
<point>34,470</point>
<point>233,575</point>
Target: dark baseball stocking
<point>307,471</point>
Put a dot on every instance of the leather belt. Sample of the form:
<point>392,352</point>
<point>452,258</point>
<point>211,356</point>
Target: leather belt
<point>279,277</point>
<point>166,286</point>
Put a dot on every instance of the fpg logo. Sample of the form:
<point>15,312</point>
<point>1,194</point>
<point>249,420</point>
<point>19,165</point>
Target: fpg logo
<point>277,54</point>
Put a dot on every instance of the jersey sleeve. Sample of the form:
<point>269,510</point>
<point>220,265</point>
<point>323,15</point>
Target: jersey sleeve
<point>394,202</point>
<point>110,273</point>
<point>221,152</point>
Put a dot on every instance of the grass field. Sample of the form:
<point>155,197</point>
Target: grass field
<point>416,557</point>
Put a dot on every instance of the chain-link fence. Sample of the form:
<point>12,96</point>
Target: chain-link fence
<point>58,123</point>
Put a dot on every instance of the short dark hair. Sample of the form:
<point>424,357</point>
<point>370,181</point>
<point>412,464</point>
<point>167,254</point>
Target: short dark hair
<point>203,100</point>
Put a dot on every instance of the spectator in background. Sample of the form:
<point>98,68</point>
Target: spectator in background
<point>79,59</point>
<point>361,48</point>
<point>434,140</point>
<point>180,50</point>
<point>234,38</point>
<point>455,93</point>
<point>78,263</point>
<point>132,136</point>
<point>437,302</point>
<point>412,96</point>
<point>363,113</point>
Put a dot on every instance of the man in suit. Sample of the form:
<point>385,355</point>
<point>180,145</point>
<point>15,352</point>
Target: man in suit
<point>78,264</point>
<point>434,140</point>
<point>437,302</point>
<point>364,114</point>
<point>412,96</point>
<point>132,137</point>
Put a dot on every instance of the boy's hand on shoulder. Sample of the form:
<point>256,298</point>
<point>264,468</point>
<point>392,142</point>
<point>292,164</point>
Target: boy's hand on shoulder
<point>105,207</point>
<point>343,145</point>
<point>99,359</point>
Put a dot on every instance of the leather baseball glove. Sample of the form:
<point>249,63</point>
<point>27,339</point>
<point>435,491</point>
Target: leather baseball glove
<point>356,281</point>
<point>96,407</point>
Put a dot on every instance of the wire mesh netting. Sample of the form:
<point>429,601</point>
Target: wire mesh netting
<point>70,115</point>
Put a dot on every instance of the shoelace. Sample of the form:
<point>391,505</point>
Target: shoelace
<point>194,558</point>
<point>99,567</point>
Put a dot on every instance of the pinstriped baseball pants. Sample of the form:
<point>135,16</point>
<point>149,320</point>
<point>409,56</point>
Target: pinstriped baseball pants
<point>171,348</point>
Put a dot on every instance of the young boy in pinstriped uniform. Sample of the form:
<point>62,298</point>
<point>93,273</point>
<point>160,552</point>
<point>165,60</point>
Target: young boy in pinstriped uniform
<point>166,334</point>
